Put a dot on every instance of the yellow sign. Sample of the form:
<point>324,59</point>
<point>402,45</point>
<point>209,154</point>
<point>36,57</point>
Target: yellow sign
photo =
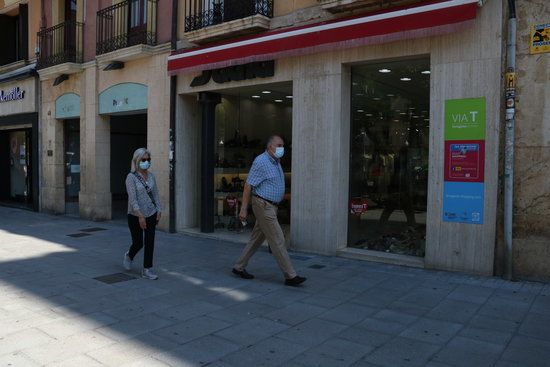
<point>540,38</point>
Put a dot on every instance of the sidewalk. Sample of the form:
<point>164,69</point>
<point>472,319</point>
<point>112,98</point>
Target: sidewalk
<point>349,313</point>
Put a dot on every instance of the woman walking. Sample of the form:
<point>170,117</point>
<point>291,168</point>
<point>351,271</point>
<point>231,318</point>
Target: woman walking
<point>143,211</point>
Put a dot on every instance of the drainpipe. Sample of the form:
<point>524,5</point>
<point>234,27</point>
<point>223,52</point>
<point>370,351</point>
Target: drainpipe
<point>172,147</point>
<point>509,138</point>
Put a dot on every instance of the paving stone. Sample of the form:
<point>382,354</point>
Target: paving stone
<point>81,360</point>
<point>492,336</point>
<point>377,297</point>
<point>129,328</point>
<point>348,314</point>
<point>187,311</point>
<point>527,351</point>
<point>24,339</point>
<point>149,362</point>
<point>365,337</point>
<point>241,312</point>
<point>334,352</point>
<point>295,313</point>
<point>249,332</point>
<point>465,352</point>
<point>536,326</point>
<point>65,327</point>
<point>17,359</point>
<point>268,352</point>
<point>199,352</point>
<point>431,331</point>
<point>541,305</point>
<point>492,323</point>
<point>454,311</point>
<point>471,293</point>
<point>409,308</point>
<point>504,309</point>
<point>191,329</point>
<point>382,326</point>
<point>394,316</point>
<point>312,332</point>
<point>402,352</point>
<point>425,297</point>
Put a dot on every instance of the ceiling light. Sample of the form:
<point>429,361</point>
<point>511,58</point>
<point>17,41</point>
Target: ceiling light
<point>384,71</point>
<point>403,113</point>
<point>389,95</point>
<point>425,72</point>
<point>360,111</point>
<point>405,79</point>
<point>376,98</point>
<point>289,97</point>
<point>266,91</point>
<point>255,96</point>
<point>395,120</point>
<point>278,100</point>
<point>368,114</point>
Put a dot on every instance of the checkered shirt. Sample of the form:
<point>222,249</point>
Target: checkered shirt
<point>267,178</point>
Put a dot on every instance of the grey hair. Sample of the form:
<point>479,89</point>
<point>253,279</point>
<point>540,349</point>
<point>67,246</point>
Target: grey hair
<point>271,138</point>
<point>138,154</point>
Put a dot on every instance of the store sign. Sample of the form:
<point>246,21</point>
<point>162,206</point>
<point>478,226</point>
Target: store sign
<point>124,97</point>
<point>252,70</point>
<point>463,190</point>
<point>540,39</point>
<point>67,106</point>
<point>358,206</point>
<point>12,95</point>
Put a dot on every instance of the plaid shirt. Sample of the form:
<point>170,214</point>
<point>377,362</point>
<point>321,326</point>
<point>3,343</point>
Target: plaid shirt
<point>267,178</point>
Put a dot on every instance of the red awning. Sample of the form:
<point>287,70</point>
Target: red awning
<point>405,23</point>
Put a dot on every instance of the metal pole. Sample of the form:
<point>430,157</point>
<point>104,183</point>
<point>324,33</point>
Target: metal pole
<point>172,133</point>
<point>509,139</point>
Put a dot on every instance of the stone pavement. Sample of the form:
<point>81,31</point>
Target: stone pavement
<point>349,313</point>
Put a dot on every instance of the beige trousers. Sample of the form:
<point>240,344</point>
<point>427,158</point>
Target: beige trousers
<point>267,227</point>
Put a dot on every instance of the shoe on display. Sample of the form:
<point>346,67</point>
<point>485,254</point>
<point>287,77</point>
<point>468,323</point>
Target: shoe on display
<point>148,274</point>
<point>242,273</point>
<point>296,281</point>
<point>127,262</point>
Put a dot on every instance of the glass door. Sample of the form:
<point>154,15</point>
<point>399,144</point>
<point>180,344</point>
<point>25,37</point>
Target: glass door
<point>389,156</point>
<point>72,166</point>
<point>20,166</point>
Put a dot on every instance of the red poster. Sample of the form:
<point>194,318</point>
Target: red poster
<point>358,206</point>
<point>465,160</point>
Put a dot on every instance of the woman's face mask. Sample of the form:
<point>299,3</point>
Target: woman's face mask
<point>145,164</point>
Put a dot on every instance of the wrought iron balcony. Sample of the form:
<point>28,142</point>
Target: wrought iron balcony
<point>128,23</point>
<point>60,44</point>
<point>201,14</point>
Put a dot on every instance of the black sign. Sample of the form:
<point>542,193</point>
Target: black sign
<point>262,69</point>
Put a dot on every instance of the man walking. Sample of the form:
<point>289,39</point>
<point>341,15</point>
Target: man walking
<point>265,188</point>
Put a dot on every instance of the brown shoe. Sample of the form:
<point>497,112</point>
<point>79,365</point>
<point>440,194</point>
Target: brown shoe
<point>296,281</point>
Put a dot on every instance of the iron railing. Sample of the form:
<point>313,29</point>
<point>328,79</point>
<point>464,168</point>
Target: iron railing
<point>60,44</point>
<point>128,23</point>
<point>204,13</point>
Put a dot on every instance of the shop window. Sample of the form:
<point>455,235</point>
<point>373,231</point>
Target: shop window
<point>389,156</point>
<point>244,121</point>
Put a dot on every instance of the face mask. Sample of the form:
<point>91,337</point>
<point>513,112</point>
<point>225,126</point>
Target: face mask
<point>279,152</point>
<point>144,165</point>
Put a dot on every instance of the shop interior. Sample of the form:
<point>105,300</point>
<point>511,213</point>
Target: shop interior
<point>16,184</point>
<point>245,118</point>
<point>128,133</point>
<point>389,156</point>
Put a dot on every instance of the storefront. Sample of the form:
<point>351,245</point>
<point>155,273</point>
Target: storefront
<point>379,106</point>
<point>19,140</point>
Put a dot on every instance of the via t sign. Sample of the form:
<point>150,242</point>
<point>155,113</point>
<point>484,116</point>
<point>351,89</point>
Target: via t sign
<point>262,69</point>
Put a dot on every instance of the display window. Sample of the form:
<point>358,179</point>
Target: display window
<point>245,118</point>
<point>389,156</point>
<point>16,184</point>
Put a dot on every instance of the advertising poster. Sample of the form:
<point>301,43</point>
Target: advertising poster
<point>540,38</point>
<point>463,202</point>
<point>464,160</point>
<point>463,190</point>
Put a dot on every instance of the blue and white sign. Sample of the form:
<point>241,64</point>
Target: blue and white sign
<point>67,106</point>
<point>123,98</point>
<point>463,202</point>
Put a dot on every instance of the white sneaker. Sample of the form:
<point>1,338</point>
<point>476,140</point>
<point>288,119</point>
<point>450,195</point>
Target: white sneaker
<point>127,262</point>
<point>148,274</point>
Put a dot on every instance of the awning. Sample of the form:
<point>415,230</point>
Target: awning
<point>418,21</point>
<point>21,73</point>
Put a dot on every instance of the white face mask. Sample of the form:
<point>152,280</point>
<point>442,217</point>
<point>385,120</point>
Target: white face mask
<point>144,165</point>
<point>279,152</point>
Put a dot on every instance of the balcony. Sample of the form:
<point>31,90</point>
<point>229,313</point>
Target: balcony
<point>207,21</point>
<point>126,30</point>
<point>338,6</point>
<point>60,44</point>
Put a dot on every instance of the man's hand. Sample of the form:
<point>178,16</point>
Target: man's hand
<point>142,222</point>
<point>158,217</point>
<point>243,214</point>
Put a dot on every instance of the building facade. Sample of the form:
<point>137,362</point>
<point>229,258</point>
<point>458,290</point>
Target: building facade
<point>105,91</point>
<point>19,104</point>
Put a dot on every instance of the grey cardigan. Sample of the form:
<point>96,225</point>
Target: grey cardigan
<point>138,199</point>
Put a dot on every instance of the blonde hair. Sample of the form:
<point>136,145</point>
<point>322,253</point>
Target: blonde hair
<point>138,154</point>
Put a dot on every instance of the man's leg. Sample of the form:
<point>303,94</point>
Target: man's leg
<point>266,217</point>
<point>256,240</point>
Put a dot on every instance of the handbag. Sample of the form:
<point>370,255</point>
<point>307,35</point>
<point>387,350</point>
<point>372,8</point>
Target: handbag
<point>147,188</point>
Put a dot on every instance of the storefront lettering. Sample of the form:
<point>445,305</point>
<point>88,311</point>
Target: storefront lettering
<point>123,101</point>
<point>252,70</point>
<point>12,95</point>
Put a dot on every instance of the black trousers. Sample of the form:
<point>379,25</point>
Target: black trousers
<point>138,235</point>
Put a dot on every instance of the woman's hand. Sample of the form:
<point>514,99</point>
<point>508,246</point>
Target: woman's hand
<point>158,217</point>
<point>142,222</point>
<point>243,214</point>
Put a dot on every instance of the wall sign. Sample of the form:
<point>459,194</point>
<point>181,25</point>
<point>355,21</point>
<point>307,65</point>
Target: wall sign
<point>463,190</point>
<point>13,94</point>
<point>124,97</point>
<point>252,70</point>
<point>67,106</point>
<point>540,38</point>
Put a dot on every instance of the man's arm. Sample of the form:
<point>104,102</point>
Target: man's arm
<point>246,200</point>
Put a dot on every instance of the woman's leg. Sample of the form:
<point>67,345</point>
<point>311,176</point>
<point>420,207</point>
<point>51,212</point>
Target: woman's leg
<point>137,236</point>
<point>149,241</point>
